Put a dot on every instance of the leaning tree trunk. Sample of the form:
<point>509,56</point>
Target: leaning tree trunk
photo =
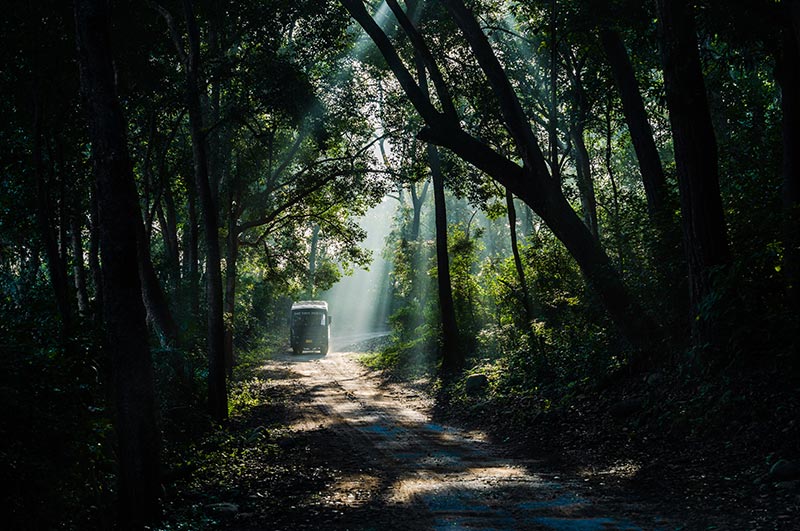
<point>704,233</point>
<point>531,182</point>
<point>124,313</point>
<point>217,392</point>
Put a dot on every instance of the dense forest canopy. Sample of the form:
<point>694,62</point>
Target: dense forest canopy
<point>581,192</point>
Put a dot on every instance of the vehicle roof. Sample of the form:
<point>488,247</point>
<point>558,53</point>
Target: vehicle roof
<point>310,305</point>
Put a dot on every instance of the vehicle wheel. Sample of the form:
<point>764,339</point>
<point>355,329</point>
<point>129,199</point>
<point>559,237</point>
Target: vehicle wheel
<point>323,350</point>
<point>297,350</point>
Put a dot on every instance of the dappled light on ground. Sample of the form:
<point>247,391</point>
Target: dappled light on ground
<point>388,458</point>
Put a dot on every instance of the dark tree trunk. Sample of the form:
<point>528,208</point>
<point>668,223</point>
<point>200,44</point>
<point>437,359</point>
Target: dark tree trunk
<point>555,168</point>
<point>577,129</point>
<point>417,201</point>
<point>94,254</point>
<point>788,74</point>
<point>167,218</point>
<point>192,251</point>
<point>231,257</point>
<point>217,392</point>
<point>56,265</point>
<point>234,210</point>
<point>452,357</point>
<point>312,262</point>
<point>584,179</point>
<point>705,238</point>
<point>124,313</point>
<point>155,301</point>
<point>78,266</point>
<point>614,190</point>
<point>641,134</point>
<point>523,284</point>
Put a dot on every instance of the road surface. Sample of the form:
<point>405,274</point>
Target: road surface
<point>396,469</point>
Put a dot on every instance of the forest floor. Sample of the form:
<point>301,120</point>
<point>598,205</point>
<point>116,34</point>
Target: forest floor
<point>329,444</point>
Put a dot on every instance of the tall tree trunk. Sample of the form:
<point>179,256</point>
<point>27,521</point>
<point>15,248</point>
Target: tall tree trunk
<point>167,219</point>
<point>417,201</point>
<point>452,357</point>
<point>555,168</point>
<point>217,391</point>
<point>155,302</point>
<point>192,251</point>
<point>614,190</point>
<point>705,238</point>
<point>644,145</point>
<point>94,254</point>
<point>55,264</point>
<point>231,258</point>
<point>312,261</point>
<point>124,314</point>
<point>78,266</point>
<point>788,74</point>
<point>523,284</point>
<point>585,183</point>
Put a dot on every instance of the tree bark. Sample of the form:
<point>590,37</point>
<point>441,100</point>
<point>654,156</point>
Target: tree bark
<point>155,301</point>
<point>94,254</point>
<point>644,145</point>
<point>417,201</point>
<point>584,178</point>
<point>312,261</point>
<point>523,284</point>
<point>78,266</point>
<point>788,75</point>
<point>552,126</point>
<point>56,267</point>
<point>452,357</point>
<point>705,238</point>
<point>167,219</point>
<point>231,259</point>
<point>217,391</point>
<point>124,314</point>
<point>192,251</point>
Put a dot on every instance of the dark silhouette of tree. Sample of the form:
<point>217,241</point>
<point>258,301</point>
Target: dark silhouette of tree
<point>704,232</point>
<point>123,311</point>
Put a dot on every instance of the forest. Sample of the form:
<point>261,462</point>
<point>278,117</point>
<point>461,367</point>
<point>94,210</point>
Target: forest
<point>572,225</point>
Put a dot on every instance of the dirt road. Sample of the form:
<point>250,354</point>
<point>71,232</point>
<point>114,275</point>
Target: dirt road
<point>395,469</point>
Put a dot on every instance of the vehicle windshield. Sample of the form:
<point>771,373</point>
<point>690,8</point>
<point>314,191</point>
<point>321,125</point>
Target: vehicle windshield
<point>308,318</point>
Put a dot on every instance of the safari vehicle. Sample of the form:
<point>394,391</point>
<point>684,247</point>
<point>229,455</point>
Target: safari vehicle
<point>310,326</point>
